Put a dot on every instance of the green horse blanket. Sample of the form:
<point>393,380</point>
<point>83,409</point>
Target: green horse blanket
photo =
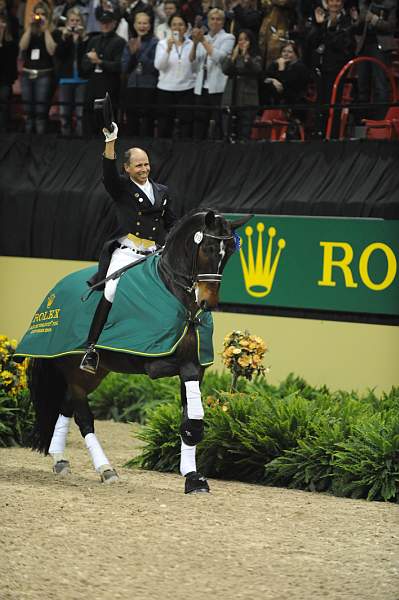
<point>145,319</point>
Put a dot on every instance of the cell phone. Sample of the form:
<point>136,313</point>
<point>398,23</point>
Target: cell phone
<point>175,36</point>
<point>198,21</point>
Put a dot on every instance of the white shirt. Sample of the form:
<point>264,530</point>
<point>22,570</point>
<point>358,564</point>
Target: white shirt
<point>223,44</point>
<point>147,189</point>
<point>175,69</point>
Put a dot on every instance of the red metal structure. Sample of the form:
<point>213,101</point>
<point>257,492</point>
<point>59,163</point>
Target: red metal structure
<point>342,72</point>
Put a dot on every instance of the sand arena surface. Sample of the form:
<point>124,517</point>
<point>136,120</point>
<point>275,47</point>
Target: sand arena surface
<point>74,538</point>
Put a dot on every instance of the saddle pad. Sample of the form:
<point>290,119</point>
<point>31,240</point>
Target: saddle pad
<point>145,319</point>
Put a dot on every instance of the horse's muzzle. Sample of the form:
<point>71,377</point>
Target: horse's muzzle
<point>208,295</point>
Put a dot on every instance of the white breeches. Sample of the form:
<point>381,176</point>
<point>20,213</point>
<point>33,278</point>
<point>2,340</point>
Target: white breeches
<point>120,258</point>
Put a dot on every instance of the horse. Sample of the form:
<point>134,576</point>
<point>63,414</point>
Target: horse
<point>190,266</point>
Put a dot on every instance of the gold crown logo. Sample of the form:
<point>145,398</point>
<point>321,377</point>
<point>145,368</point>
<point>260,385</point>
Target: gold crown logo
<point>50,300</point>
<point>259,273</point>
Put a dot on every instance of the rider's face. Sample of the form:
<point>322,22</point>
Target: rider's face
<point>138,167</point>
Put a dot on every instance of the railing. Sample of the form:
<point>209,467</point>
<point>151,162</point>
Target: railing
<point>342,73</point>
<point>229,115</point>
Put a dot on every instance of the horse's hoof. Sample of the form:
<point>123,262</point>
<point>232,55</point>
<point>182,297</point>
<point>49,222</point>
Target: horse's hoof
<point>62,468</point>
<point>195,483</point>
<point>109,476</point>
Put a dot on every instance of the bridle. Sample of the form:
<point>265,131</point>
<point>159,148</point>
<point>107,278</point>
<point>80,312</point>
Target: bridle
<point>188,282</point>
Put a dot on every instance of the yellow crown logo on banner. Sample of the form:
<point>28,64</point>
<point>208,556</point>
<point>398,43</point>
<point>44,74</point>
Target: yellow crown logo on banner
<point>259,271</point>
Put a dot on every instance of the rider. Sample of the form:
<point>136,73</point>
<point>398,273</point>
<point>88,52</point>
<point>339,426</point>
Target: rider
<point>144,218</point>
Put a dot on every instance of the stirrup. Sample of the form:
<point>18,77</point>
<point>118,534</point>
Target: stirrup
<point>90,360</point>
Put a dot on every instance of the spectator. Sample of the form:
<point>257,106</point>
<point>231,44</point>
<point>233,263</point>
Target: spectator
<point>61,10</point>
<point>138,63</point>
<point>96,8</point>
<point>331,44</point>
<point>245,15</point>
<point>38,47</point>
<point>9,33</point>
<point>137,6</point>
<point>278,21</point>
<point>102,67</point>
<point>163,30</point>
<point>286,79</point>
<point>176,78</point>
<point>191,9</point>
<point>158,7</point>
<point>243,68</point>
<point>122,27</point>
<point>201,20</point>
<point>207,55</point>
<point>375,26</point>
<point>71,46</point>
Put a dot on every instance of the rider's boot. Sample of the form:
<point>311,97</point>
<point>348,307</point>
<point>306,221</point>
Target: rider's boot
<point>91,357</point>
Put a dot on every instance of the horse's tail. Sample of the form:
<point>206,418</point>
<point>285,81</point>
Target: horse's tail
<point>47,391</point>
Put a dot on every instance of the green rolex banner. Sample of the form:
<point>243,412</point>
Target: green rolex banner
<point>334,264</point>
<point>145,319</point>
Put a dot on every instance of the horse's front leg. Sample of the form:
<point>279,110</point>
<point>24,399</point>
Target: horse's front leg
<point>192,427</point>
<point>58,441</point>
<point>84,419</point>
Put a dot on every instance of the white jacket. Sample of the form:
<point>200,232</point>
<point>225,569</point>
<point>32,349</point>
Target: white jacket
<point>175,69</point>
<point>223,43</point>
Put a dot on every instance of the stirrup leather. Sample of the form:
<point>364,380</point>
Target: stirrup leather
<point>90,360</point>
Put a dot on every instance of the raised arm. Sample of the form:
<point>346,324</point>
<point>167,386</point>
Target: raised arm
<point>111,177</point>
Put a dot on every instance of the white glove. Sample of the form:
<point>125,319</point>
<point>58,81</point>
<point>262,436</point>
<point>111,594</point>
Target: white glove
<point>110,136</point>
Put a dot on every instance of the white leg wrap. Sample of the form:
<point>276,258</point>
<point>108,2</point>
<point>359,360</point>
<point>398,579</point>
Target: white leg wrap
<point>194,404</point>
<point>96,452</point>
<point>58,441</point>
<point>187,459</point>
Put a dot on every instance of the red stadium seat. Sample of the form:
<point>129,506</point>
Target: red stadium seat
<point>272,125</point>
<point>385,129</point>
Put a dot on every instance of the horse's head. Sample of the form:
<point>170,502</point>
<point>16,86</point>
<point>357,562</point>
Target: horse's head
<point>201,246</point>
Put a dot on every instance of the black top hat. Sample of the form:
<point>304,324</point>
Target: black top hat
<point>105,106</point>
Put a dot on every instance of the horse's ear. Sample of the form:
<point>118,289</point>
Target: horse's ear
<point>209,219</point>
<point>240,222</point>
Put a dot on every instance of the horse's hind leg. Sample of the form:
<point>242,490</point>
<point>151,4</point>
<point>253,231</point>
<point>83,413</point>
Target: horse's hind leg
<point>192,427</point>
<point>85,421</point>
<point>58,441</point>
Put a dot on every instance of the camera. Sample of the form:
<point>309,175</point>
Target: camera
<point>37,20</point>
<point>175,36</point>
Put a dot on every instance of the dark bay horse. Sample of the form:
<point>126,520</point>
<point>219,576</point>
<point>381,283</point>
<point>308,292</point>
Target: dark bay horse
<point>191,266</point>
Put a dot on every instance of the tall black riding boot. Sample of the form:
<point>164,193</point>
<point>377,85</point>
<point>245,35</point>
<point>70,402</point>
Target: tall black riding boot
<point>90,359</point>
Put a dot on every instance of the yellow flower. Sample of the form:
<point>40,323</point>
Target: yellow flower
<point>229,351</point>
<point>6,375</point>
<point>244,361</point>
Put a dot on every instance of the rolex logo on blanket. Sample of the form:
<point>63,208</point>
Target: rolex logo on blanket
<point>145,319</point>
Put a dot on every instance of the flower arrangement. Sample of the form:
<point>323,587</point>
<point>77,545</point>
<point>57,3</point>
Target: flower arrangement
<point>12,375</point>
<point>242,355</point>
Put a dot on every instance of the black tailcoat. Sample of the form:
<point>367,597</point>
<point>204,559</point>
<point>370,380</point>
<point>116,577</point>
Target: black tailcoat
<point>135,213</point>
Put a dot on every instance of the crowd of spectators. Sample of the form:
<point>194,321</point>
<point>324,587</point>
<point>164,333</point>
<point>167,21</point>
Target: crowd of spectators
<point>186,67</point>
